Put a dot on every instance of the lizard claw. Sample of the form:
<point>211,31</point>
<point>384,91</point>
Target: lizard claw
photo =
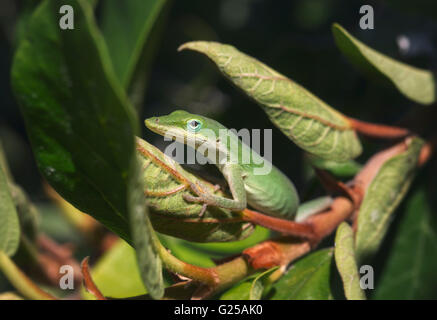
<point>191,198</point>
<point>202,212</point>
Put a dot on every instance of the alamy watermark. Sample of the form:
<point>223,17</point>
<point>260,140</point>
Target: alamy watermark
<point>367,18</point>
<point>66,22</point>
<point>367,278</point>
<point>67,280</point>
<point>228,146</point>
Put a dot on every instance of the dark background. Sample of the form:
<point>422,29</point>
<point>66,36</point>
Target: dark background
<point>293,37</point>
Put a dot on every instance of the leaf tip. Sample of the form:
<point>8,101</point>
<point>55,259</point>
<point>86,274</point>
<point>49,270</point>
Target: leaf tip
<point>336,26</point>
<point>193,45</point>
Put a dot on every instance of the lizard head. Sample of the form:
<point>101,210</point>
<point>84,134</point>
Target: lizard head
<point>184,125</point>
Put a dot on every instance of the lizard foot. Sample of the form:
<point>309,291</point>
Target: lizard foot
<point>191,198</point>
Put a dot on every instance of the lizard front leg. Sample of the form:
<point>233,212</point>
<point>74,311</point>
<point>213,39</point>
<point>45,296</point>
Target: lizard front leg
<point>232,174</point>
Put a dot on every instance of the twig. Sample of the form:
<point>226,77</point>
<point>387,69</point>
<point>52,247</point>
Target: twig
<point>20,281</point>
<point>378,130</point>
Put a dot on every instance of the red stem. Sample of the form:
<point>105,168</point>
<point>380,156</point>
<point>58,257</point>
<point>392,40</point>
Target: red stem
<point>378,130</point>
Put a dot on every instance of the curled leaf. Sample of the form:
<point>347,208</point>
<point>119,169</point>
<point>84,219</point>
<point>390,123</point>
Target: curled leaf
<point>385,192</point>
<point>416,84</point>
<point>346,263</point>
<point>166,182</point>
<point>305,119</point>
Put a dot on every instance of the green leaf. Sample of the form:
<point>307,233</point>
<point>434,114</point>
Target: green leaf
<point>382,196</point>
<point>130,30</point>
<point>251,288</point>
<point>307,279</point>
<point>339,169</point>
<point>305,119</point>
<point>116,273</point>
<point>27,212</point>
<point>9,224</point>
<point>346,263</point>
<point>181,250</point>
<point>26,9</point>
<point>4,164</point>
<point>165,184</point>
<point>410,268</point>
<point>78,120</point>
<point>416,84</point>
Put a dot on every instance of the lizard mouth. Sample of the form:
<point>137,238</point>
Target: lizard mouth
<point>173,133</point>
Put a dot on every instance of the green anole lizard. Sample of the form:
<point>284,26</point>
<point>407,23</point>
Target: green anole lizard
<point>271,192</point>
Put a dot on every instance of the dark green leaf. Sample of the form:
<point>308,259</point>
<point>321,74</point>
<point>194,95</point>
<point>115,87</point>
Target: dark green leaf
<point>26,9</point>
<point>346,263</point>
<point>410,269</point>
<point>307,279</point>
<point>82,127</point>
<point>416,84</point>
<point>127,27</point>
<point>382,196</point>
<point>77,118</point>
<point>305,119</point>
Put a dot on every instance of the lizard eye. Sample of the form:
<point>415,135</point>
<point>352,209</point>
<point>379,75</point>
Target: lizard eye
<point>194,125</point>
